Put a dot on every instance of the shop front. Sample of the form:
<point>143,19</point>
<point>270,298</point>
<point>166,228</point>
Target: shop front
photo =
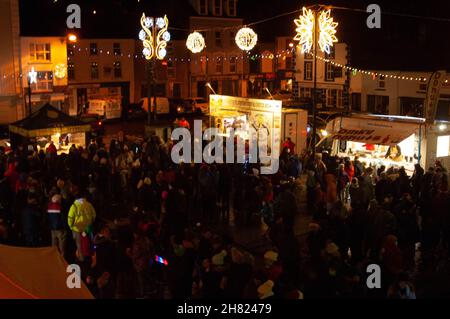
<point>392,141</point>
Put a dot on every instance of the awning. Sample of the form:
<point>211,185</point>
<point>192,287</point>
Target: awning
<point>377,132</point>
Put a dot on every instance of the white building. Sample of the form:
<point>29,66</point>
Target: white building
<point>330,79</point>
<point>396,96</point>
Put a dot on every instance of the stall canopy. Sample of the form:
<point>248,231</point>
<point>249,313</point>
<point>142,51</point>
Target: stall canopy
<point>48,120</point>
<point>372,130</point>
<point>36,273</point>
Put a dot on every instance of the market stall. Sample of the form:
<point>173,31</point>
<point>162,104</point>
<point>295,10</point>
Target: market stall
<point>47,125</point>
<point>392,141</point>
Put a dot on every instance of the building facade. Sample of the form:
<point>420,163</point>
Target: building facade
<point>331,80</point>
<point>221,63</point>
<point>47,56</point>
<point>396,96</point>
<point>100,69</point>
<point>11,103</point>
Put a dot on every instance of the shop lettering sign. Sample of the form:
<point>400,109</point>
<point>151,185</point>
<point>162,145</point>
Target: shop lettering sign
<point>433,93</point>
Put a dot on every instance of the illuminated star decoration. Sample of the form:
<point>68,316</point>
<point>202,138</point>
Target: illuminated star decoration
<point>327,29</point>
<point>195,42</point>
<point>305,28</point>
<point>246,39</point>
<point>32,75</point>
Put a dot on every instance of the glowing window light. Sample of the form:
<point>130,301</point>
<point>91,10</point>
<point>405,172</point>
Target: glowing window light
<point>246,39</point>
<point>195,42</point>
<point>305,28</point>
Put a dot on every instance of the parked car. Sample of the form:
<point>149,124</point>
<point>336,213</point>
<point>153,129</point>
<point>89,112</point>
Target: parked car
<point>198,104</point>
<point>96,122</point>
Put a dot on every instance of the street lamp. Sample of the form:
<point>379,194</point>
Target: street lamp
<point>314,29</point>
<point>208,85</point>
<point>154,37</point>
<point>72,38</point>
<point>32,79</point>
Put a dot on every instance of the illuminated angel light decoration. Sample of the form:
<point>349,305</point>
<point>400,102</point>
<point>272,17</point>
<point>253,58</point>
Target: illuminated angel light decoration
<point>60,71</point>
<point>246,39</point>
<point>327,29</point>
<point>195,42</point>
<point>154,37</point>
<point>305,29</point>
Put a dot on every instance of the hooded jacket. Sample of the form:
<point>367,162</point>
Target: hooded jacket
<point>81,215</point>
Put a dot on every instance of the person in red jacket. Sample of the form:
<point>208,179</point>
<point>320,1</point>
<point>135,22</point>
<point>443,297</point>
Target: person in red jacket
<point>51,149</point>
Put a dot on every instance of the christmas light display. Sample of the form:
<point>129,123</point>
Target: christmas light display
<point>154,44</point>
<point>327,28</point>
<point>246,39</point>
<point>195,42</point>
<point>305,29</point>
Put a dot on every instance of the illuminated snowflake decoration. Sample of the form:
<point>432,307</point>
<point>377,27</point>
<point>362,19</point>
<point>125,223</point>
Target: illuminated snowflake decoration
<point>60,71</point>
<point>246,39</point>
<point>195,42</point>
<point>305,30</point>
<point>327,29</point>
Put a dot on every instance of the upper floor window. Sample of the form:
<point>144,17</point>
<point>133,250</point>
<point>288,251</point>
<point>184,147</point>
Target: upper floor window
<point>217,7</point>
<point>233,64</point>
<point>44,82</point>
<point>40,52</point>
<point>117,69</point>
<point>308,71</point>
<point>71,71</point>
<point>93,49</point>
<point>231,8</point>
<point>308,56</point>
<point>232,38</point>
<point>94,70</point>
<point>329,72</point>
<point>203,7</point>
<point>70,51</point>
<point>116,49</point>
<point>332,54</point>
<point>219,64</point>
<point>218,39</point>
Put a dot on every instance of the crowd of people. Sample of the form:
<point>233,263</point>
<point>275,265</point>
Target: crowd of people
<point>143,227</point>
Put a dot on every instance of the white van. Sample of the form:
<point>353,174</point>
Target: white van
<point>162,105</point>
<point>109,109</point>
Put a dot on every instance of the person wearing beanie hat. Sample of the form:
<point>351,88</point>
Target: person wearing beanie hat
<point>265,290</point>
<point>56,223</point>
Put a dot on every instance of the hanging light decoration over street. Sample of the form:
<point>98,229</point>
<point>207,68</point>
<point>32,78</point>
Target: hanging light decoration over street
<point>154,37</point>
<point>195,42</point>
<point>326,30</point>
<point>305,30</point>
<point>246,39</point>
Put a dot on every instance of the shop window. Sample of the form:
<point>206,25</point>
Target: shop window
<point>443,146</point>
<point>378,104</point>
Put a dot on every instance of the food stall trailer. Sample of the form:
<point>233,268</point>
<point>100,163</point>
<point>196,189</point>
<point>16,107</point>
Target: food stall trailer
<point>392,141</point>
<point>244,113</point>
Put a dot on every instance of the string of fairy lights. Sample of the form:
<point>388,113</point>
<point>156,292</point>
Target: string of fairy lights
<point>246,40</point>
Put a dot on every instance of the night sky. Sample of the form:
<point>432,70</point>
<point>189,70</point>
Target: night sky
<point>403,43</point>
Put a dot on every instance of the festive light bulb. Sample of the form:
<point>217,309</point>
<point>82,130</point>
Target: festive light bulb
<point>142,35</point>
<point>160,23</point>
<point>305,30</point>
<point>195,42</point>
<point>149,22</point>
<point>246,39</point>
<point>166,36</point>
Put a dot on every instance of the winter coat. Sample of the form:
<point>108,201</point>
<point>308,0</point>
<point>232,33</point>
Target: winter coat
<point>81,215</point>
